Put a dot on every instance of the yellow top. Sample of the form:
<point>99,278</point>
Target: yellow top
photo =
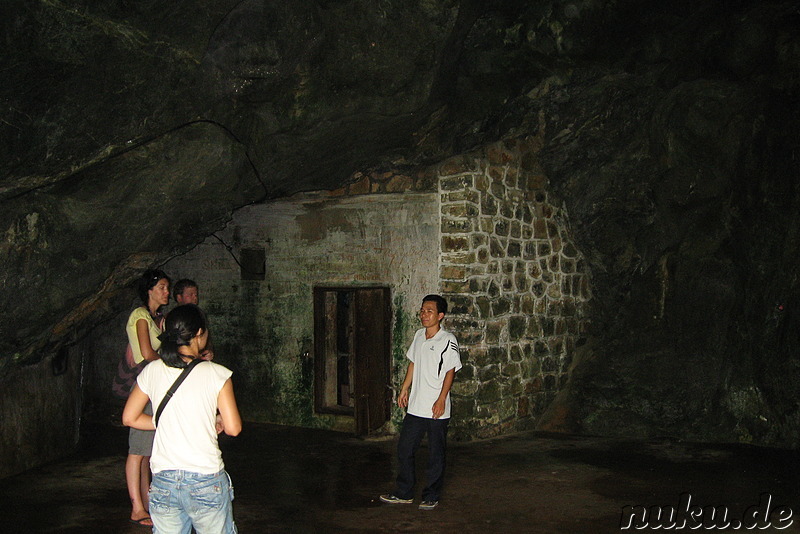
<point>141,313</point>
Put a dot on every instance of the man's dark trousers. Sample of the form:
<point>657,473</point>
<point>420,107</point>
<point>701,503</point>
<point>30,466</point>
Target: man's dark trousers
<point>414,429</point>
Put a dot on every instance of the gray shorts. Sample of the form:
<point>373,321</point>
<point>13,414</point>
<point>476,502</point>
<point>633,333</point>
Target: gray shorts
<point>141,441</point>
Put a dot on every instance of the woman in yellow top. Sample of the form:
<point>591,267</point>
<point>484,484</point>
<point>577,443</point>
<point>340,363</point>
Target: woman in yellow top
<point>145,324</point>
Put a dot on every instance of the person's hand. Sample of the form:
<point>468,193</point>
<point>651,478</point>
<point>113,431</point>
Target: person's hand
<point>207,355</point>
<point>219,425</point>
<point>438,408</point>
<point>402,399</point>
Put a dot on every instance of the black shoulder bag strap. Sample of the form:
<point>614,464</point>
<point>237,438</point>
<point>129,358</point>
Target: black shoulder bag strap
<point>171,392</point>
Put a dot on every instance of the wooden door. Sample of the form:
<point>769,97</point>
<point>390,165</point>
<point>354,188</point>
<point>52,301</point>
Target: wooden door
<point>372,377</point>
<point>352,328</point>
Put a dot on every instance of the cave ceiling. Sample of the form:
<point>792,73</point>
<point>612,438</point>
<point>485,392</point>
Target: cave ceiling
<point>132,130</point>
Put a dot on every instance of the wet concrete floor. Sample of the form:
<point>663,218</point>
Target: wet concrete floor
<point>297,480</point>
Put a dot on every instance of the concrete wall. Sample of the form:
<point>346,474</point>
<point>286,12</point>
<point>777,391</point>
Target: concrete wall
<point>263,330</point>
<point>40,412</point>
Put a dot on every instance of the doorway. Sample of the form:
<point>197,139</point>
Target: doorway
<point>352,328</point>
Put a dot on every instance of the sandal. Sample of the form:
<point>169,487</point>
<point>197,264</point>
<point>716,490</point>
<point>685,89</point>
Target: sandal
<point>141,522</point>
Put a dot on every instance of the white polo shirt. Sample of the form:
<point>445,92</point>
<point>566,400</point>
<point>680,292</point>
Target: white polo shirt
<point>432,358</point>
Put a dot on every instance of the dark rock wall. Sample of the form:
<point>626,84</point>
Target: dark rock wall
<point>74,244</point>
<point>669,132</point>
<point>682,195</point>
<point>250,99</point>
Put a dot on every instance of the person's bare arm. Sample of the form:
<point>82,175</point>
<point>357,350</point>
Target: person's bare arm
<point>402,398</point>
<point>143,335</point>
<point>228,410</point>
<point>133,415</point>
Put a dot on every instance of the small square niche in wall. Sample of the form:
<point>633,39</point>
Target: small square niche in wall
<point>253,263</point>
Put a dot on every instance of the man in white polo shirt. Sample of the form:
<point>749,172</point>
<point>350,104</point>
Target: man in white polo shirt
<point>433,361</point>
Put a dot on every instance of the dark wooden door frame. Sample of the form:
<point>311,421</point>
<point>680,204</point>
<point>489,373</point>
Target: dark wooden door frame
<point>372,375</point>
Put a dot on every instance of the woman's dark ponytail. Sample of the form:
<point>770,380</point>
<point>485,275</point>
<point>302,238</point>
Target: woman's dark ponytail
<point>181,325</point>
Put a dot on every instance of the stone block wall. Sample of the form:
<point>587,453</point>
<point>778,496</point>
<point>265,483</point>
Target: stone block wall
<point>517,287</point>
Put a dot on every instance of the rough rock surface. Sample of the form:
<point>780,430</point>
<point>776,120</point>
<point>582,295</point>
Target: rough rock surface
<point>130,131</point>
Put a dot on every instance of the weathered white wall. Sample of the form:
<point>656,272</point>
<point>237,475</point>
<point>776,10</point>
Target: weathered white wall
<point>263,330</point>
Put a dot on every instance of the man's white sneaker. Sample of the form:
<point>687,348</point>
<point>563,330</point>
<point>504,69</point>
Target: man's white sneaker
<point>392,499</point>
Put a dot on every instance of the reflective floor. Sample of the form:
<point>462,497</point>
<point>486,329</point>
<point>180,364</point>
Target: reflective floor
<point>306,481</point>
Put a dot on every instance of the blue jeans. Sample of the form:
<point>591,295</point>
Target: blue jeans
<point>414,429</point>
<point>180,500</point>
